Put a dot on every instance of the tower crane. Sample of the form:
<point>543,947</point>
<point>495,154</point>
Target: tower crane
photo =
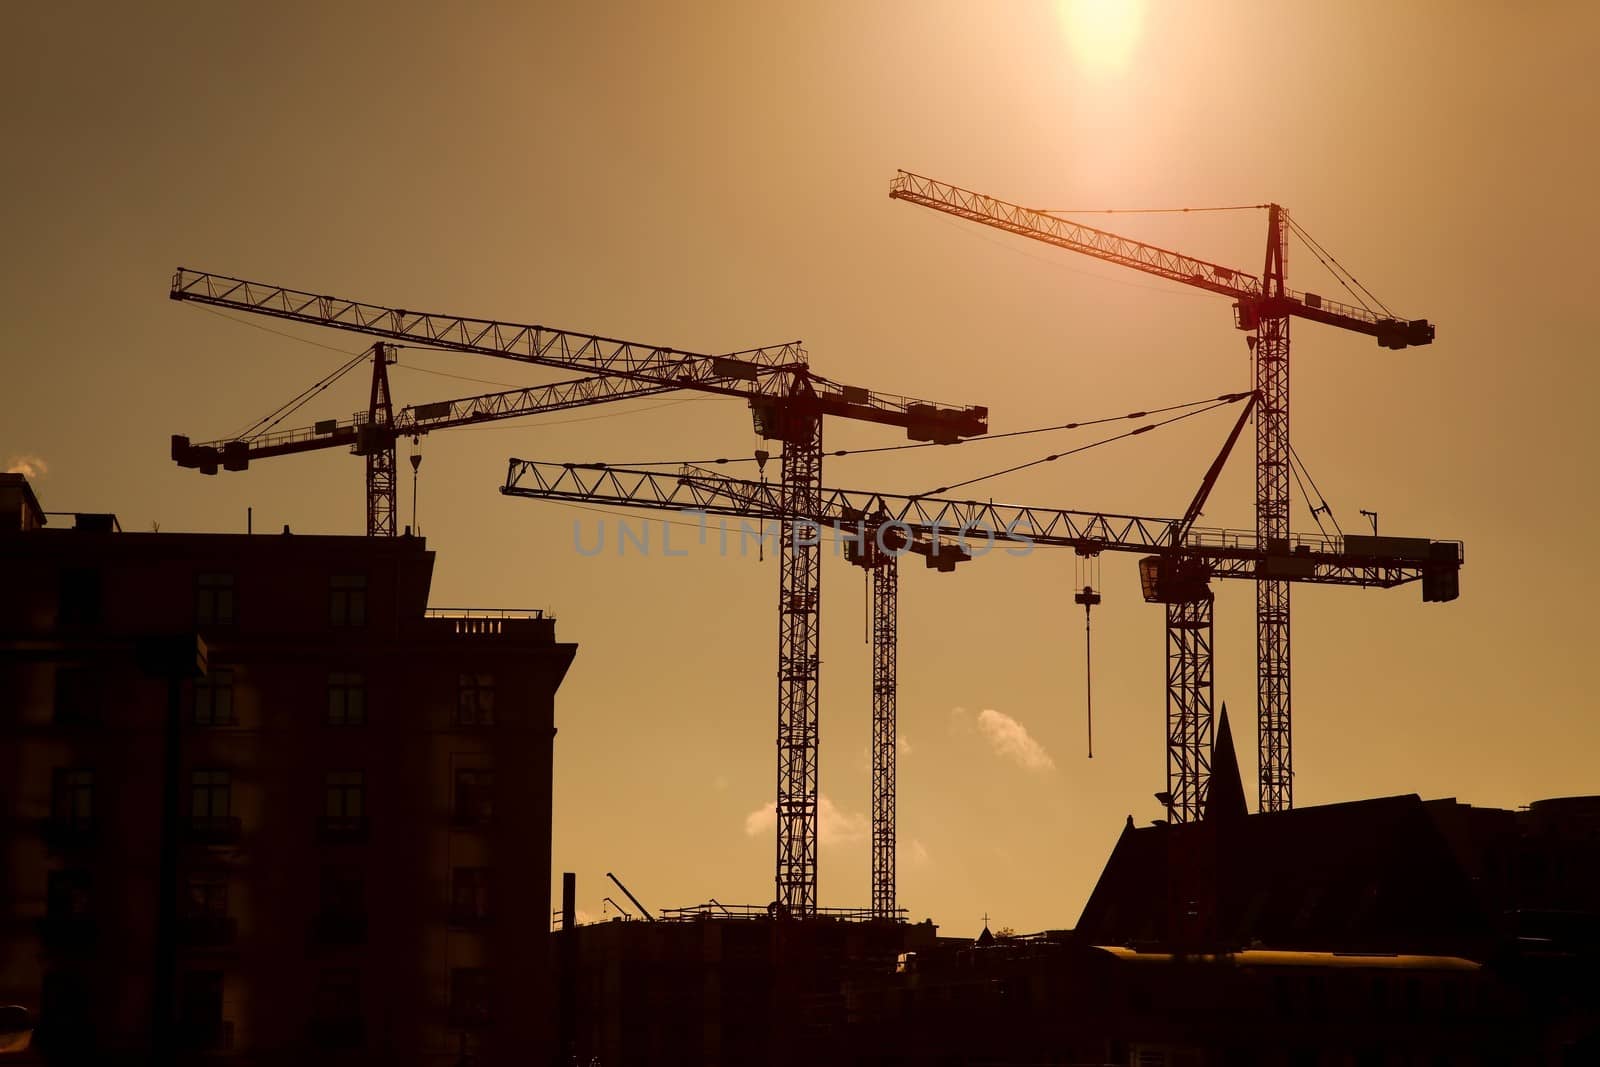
<point>788,403</point>
<point>1178,564</point>
<point>1263,307</point>
<point>373,433</point>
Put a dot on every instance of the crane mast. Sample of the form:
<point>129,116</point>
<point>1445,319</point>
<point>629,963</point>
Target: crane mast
<point>1273,734</point>
<point>377,441</point>
<point>1263,307</point>
<point>885,655</point>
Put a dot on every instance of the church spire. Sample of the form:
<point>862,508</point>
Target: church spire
<point>1225,798</point>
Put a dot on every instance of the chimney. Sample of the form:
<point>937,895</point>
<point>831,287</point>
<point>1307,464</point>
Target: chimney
<point>19,508</point>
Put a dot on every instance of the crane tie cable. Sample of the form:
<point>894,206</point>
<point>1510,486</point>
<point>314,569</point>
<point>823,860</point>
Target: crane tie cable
<point>1222,402</point>
<point>1319,252</point>
<point>722,460</point>
<point>1325,507</point>
<point>1145,210</point>
<point>276,416</point>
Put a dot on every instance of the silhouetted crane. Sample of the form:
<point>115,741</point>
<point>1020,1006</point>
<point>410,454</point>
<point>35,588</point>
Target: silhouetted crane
<point>788,403</point>
<point>1262,306</point>
<point>1176,572</point>
<point>373,433</point>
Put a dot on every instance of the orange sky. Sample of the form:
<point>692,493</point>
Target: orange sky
<point>714,177</point>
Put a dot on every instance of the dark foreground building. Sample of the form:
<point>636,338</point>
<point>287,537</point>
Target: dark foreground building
<point>1393,932</point>
<point>1377,933</point>
<point>353,864</point>
<point>724,987</point>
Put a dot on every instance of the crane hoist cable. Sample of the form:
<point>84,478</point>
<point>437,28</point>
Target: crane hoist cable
<point>1085,593</point>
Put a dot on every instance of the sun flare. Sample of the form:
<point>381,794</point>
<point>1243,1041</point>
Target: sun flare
<point>1101,33</point>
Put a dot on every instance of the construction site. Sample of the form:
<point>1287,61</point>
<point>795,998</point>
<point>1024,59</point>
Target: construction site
<point>1099,786</point>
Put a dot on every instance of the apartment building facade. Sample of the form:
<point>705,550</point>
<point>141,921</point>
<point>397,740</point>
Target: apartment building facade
<point>361,844</point>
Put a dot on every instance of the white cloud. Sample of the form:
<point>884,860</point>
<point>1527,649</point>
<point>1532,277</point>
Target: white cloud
<point>762,820</point>
<point>914,853</point>
<point>30,467</point>
<point>835,826</point>
<point>1009,738</point>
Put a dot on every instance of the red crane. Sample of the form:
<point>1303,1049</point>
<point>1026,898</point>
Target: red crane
<point>788,402</point>
<point>1263,307</point>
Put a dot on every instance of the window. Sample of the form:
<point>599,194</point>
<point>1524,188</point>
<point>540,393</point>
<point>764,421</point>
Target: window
<point>207,896</point>
<point>79,603</point>
<point>77,696</point>
<point>469,996</point>
<point>213,599</point>
<point>338,995</point>
<point>65,1023</point>
<point>343,891</point>
<point>347,699</point>
<point>200,1002</point>
<point>346,795</point>
<point>67,895</point>
<point>210,795</point>
<point>213,698</point>
<point>72,799</point>
<point>474,795</point>
<point>475,700</point>
<point>469,894</point>
<point>347,600</point>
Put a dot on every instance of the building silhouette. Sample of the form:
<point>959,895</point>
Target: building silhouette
<point>355,831</point>
<point>1364,934</point>
<point>1376,933</point>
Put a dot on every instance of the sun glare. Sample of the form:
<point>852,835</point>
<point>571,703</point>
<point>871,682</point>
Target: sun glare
<point>1101,33</point>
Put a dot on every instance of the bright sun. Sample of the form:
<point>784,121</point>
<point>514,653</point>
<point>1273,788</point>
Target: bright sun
<point>1101,33</point>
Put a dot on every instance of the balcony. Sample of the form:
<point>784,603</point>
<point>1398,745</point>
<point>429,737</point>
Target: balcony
<point>207,931</point>
<point>76,717</point>
<point>528,627</point>
<point>339,928</point>
<point>67,932</point>
<point>470,1016</point>
<point>474,817</point>
<point>342,829</point>
<point>69,831</point>
<point>205,1035</point>
<point>215,829</point>
<point>349,1032</point>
